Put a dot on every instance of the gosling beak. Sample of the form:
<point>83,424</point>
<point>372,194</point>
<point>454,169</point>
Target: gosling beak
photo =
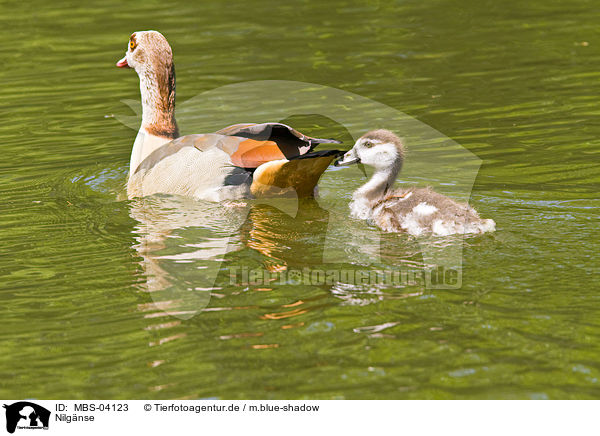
<point>343,162</point>
<point>123,63</point>
<point>348,159</point>
<point>351,158</point>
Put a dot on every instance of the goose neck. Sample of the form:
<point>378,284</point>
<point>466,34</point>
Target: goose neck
<point>158,102</point>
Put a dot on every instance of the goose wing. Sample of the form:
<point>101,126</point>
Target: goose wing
<point>269,141</point>
<point>248,145</point>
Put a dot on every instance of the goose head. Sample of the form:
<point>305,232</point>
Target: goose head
<point>147,52</point>
<point>150,55</point>
<point>380,149</point>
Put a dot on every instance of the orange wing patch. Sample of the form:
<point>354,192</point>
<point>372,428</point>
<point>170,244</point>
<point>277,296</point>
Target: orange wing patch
<point>297,177</point>
<point>252,154</point>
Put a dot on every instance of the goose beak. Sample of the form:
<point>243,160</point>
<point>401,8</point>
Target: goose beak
<point>123,63</point>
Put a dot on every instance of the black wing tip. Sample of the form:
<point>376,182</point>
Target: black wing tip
<point>302,136</point>
<point>254,130</point>
<point>320,153</point>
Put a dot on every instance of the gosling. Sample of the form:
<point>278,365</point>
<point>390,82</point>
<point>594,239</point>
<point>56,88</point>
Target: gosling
<point>416,211</point>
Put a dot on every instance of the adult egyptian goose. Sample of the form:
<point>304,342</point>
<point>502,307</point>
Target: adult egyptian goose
<point>240,161</point>
<point>416,211</point>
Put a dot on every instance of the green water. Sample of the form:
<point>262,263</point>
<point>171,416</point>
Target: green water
<point>107,298</point>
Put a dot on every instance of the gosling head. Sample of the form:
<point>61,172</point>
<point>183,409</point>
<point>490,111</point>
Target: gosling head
<point>380,149</point>
<point>148,51</point>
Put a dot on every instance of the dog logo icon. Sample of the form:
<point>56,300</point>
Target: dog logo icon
<point>26,415</point>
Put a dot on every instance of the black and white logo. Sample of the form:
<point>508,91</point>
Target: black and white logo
<point>26,415</point>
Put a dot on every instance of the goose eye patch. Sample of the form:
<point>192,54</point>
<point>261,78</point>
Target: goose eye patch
<point>132,42</point>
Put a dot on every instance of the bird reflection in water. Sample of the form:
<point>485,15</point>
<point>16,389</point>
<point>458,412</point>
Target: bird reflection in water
<point>186,246</point>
